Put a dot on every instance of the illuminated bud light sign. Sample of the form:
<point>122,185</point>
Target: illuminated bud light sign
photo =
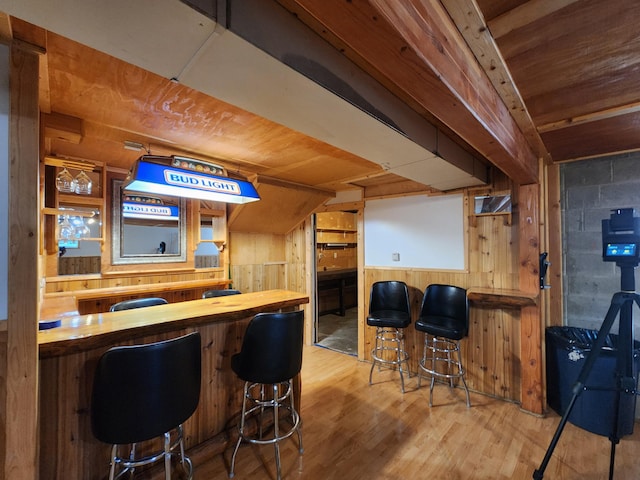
<point>146,211</point>
<point>155,178</point>
<point>190,180</point>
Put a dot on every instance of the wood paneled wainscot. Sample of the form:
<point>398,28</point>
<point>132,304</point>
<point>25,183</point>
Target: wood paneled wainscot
<point>69,353</point>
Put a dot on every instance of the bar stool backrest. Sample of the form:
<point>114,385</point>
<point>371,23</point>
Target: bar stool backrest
<point>137,303</point>
<point>446,302</point>
<point>220,293</point>
<point>271,349</point>
<point>389,295</point>
<point>142,391</point>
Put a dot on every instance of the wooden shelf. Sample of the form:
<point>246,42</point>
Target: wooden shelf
<point>62,211</point>
<point>502,297</point>
<point>79,200</point>
<point>336,222</point>
<point>326,236</point>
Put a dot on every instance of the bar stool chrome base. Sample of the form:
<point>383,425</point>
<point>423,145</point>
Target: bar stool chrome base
<point>389,339</point>
<point>127,465</point>
<point>438,352</point>
<point>261,408</point>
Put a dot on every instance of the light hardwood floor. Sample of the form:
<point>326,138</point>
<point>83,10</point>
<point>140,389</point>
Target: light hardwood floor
<point>353,430</point>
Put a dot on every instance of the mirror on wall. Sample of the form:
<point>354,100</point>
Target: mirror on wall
<point>492,204</point>
<point>212,234</point>
<point>207,254</point>
<point>79,239</point>
<point>147,228</point>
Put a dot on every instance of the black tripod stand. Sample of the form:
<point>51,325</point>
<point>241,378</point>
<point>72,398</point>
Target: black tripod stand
<point>626,378</point>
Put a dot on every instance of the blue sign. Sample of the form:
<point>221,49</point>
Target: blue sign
<point>149,177</point>
<point>145,210</point>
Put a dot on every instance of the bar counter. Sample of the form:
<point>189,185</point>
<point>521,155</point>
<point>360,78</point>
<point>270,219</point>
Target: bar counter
<point>69,353</point>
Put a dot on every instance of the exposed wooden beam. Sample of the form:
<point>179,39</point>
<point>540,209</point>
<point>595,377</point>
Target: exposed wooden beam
<point>428,29</point>
<point>415,50</point>
<point>472,26</point>
<point>525,14</point>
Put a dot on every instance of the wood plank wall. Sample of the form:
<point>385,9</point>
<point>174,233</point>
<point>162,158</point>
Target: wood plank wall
<point>261,261</point>
<point>491,353</point>
<point>492,350</point>
<point>78,265</point>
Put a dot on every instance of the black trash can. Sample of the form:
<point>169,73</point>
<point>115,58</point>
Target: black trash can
<point>566,353</point>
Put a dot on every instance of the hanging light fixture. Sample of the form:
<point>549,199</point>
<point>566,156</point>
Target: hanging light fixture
<point>186,177</point>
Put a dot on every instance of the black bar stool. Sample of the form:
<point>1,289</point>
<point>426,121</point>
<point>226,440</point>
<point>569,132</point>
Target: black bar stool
<point>444,319</point>
<point>270,357</point>
<point>137,303</point>
<point>142,392</point>
<point>390,313</point>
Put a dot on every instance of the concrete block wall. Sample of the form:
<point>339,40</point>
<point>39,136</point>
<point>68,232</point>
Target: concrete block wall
<point>590,190</point>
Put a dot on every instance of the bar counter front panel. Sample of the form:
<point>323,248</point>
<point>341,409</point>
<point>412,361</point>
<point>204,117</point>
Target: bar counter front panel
<point>69,354</point>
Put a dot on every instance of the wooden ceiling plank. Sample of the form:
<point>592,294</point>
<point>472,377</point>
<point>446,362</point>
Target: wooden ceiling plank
<point>525,14</point>
<point>586,49</point>
<point>609,136</point>
<point>591,117</point>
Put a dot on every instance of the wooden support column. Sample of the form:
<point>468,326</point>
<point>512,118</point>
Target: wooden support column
<point>21,453</point>
<point>530,318</point>
<point>554,244</point>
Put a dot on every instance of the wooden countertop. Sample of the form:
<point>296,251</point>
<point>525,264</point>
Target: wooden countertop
<point>55,307</point>
<point>84,332</point>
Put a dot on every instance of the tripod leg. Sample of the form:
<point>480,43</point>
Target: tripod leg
<point>625,381</point>
<point>612,458</point>
<point>578,387</point>
<point>538,474</point>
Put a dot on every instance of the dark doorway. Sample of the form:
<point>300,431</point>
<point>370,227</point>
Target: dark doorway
<point>336,281</point>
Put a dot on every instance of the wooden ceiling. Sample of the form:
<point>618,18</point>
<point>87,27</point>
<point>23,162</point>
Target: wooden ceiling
<point>576,66</point>
<point>511,80</point>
